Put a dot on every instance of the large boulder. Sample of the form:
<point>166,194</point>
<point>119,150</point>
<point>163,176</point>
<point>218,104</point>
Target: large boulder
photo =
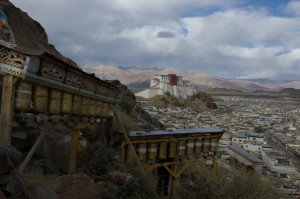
<point>9,157</point>
<point>38,191</point>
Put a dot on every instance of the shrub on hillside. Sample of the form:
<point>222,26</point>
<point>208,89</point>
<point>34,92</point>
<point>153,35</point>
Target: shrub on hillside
<point>97,160</point>
<point>127,104</point>
<point>200,182</point>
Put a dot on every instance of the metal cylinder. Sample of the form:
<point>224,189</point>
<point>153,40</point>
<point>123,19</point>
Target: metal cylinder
<point>206,145</point>
<point>181,148</point>
<point>152,151</point>
<point>189,147</point>
<point>110,110</point>
<point>40,99</point>
<point>93,107</point>
<point>214,144</point>
<point>23,95</point>
<point>85,108</point>
<point>141,151</point>
<point>172,150</point>
<point>104,109</point>
<point>162,150</point>
<point>123,152</point>
<point>99,106</point>
<point>55,101</point>
<point>66,106</point>
<point>76,105</point>
<point>129,154</point>
<point>198,145</point>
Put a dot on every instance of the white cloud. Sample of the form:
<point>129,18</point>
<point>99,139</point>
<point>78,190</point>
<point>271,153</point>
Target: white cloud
<point>293,7</point>
<point>227,40</point>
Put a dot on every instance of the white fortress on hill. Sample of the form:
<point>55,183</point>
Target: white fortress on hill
<point>171,83</point>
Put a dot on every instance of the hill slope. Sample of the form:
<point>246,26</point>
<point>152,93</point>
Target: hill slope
<point>28,32</point>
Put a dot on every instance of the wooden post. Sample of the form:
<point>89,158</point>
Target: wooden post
<point>33,149</point>
<point>6,110</point>
<point>137,161</point>
<point>74,147</point>
<point>173,180</point>
<point>215,162</point>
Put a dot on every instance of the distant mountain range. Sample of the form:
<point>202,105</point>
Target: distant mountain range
<point>140,78</point>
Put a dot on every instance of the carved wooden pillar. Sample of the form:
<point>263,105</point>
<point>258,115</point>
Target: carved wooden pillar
<point>6,110</point>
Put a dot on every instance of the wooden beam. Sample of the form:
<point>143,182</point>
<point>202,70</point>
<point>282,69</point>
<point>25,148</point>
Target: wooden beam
<point>6,109</point>
<point>74,146</point>
<point>73,150</point>
<point>33,149</point>
<point>127,140</point>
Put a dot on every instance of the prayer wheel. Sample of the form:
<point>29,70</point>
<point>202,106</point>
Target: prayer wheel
<point>162,150</point>
<point>141,151</point>
<point>40,98</point>
<point>172,150</point>
<point>198,145</point>
<point>93,107</point>
<point>214,144</point>
<point>76,105</point>
<point>190,144</point>
<point>206,145</point>
<point>99,106</point>
<point>129,154</point>
<point>85,108</point>
<point>181,148</point>
<point>23,95</point>
<point>66,106</point>
<point>152,151</point>
<point>55,101</point>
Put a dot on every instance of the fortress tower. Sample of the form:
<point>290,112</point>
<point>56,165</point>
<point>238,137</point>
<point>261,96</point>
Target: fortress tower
<point>171,83</point>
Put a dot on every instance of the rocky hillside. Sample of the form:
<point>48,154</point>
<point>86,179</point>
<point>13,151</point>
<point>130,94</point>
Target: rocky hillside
<point>28,32</point>
<point>199,102</point>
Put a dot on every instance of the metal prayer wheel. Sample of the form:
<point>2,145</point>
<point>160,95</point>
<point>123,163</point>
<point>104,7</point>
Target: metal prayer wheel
<point>189,147</point>
<point>214,144</point>
<point>141,151</point>
<point>181,148</point>
<point>162,150</point>
<point>99,105</point>
<point>23,95</point>
<point>129,154</point>
<point>66,106</point>
<point>40,98</point>
<point>206,145</point>
<point>110,110</point>
<point>123,152</point>
<point>152,151</point>
<point>172,149</point>
<point>104,109</point>
<point>76,105</point>
<point>85,107</point>
<point>198,145</point>
<point>55,101</point>
<point>93,107</point>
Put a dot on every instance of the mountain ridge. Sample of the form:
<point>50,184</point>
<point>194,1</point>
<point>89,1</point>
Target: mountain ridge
<point>138,77</point>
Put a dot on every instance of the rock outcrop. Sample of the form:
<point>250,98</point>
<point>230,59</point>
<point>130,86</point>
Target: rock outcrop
<point>28,32</point>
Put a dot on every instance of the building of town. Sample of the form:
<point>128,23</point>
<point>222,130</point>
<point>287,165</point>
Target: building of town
<point>171,84</point>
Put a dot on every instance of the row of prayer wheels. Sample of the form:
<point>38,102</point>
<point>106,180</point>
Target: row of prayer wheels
<point>41,99</point>
<point>164,150</point>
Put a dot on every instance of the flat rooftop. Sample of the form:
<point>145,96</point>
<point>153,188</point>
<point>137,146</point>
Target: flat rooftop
<point>244,153</point>
<point>204,131</point>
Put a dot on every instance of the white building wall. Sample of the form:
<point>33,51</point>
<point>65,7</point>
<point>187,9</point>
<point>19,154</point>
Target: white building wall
<point>238,140</point>
<point>183,88</point>
<point>148,93</point>
<point>252,148</point>
<point>256,139</point>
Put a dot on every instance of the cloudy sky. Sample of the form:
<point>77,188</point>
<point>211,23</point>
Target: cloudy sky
<point>225,38</point>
